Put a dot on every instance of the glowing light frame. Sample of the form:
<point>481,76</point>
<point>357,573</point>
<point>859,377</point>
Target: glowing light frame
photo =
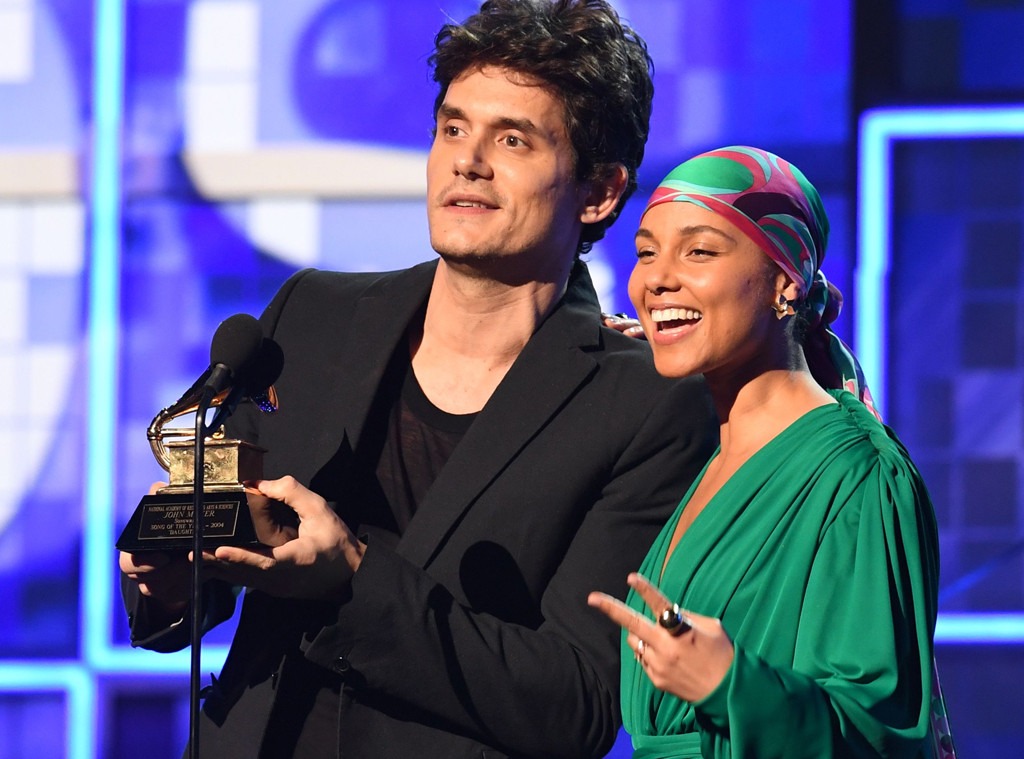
<point>79,689</point>
<point>78,679</point>
<point>878,130</point>
<point>98,571</point>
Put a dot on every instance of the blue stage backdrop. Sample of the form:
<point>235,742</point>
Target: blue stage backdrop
<point>165,164</point>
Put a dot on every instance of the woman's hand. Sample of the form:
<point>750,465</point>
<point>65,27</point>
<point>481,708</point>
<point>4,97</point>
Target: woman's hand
<point>689,664</point>
<point>624,324</point>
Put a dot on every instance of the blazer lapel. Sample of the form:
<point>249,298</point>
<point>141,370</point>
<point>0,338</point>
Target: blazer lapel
<point>378,324</point>
<point>548,371</point>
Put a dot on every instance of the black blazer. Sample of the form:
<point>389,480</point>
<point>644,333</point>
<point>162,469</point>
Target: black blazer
<point>468,635</point>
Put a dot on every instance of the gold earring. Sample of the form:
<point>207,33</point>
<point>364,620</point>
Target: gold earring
<point>783,308</point>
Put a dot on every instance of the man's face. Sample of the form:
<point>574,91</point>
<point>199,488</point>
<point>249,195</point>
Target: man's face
<point>500,177</point>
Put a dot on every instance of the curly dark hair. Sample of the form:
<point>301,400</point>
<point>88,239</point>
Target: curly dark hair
<point>596,65</point>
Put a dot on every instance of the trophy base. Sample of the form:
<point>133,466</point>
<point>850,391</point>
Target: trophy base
<point>163,522</point>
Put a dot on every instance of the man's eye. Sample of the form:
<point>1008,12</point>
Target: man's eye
<point>513,141</point>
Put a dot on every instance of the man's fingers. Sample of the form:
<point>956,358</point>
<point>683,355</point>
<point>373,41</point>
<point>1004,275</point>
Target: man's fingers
<point>238,566</point>
<point>131,563</point>
<point>233,555</point>
<point>292,493</point>
<point>286,489</point>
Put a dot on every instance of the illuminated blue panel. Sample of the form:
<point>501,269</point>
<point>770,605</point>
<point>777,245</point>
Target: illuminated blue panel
<point>41,677</point>
<point>104,301</point>
<point>878,131</point>
<point>980,628</point>
<point>104,315</point>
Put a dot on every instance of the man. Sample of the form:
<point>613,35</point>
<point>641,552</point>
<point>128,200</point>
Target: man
<point>468,450</point>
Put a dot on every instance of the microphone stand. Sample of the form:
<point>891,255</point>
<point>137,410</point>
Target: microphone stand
<point>198,507</point>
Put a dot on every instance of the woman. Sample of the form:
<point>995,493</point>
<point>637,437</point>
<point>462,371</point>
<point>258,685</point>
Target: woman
<point>798,577</point>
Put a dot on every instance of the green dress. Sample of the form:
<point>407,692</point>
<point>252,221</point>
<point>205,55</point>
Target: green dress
<point>820,556</point>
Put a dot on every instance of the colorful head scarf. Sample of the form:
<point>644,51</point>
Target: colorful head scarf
<point>771,202</point>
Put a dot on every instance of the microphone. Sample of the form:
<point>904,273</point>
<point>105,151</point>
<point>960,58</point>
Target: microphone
<point>262,374</point>
<point>234,352</point>
<point>242,359</point>
<point>243,364</point>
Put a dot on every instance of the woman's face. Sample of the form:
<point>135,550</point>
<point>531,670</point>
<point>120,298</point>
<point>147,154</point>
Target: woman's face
<point>704,293</point>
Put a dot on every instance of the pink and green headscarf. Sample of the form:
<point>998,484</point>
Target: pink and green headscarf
<point>771,202</point>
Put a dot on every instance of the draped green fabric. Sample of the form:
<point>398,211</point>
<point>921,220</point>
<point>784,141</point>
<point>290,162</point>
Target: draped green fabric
<point>820,556</point>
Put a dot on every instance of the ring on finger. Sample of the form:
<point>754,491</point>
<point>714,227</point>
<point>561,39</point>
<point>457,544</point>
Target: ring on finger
<point>641,646</point>
<point>673,620</point>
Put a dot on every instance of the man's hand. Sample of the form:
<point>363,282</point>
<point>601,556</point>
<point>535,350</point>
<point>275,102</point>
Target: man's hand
<point>319,563</point>
<point>274,522</point>
<point>164,577</point>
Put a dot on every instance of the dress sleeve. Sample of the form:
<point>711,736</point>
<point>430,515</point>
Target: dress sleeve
<point>860,681</point>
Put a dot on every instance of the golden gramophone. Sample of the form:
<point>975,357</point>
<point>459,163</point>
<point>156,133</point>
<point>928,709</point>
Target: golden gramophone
<point>232,513</point>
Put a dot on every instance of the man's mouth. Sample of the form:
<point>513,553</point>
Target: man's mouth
<point>470,204</point>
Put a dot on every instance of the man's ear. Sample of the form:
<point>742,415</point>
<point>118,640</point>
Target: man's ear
<point>603,195</point>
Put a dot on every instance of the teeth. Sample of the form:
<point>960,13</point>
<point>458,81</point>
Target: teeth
<point>469,204</point>
<point>673,314</point>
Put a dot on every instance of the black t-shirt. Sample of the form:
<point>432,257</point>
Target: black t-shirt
<point>420,438</point>
<point>405,445</point>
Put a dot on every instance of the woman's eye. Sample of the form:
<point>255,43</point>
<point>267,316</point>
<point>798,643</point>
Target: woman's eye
<point>644,252</point>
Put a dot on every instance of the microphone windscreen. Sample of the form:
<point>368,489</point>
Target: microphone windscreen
<point>264,372</point>
<point>236,343</point>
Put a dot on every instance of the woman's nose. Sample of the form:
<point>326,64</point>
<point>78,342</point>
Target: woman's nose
<point>659,277</point>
